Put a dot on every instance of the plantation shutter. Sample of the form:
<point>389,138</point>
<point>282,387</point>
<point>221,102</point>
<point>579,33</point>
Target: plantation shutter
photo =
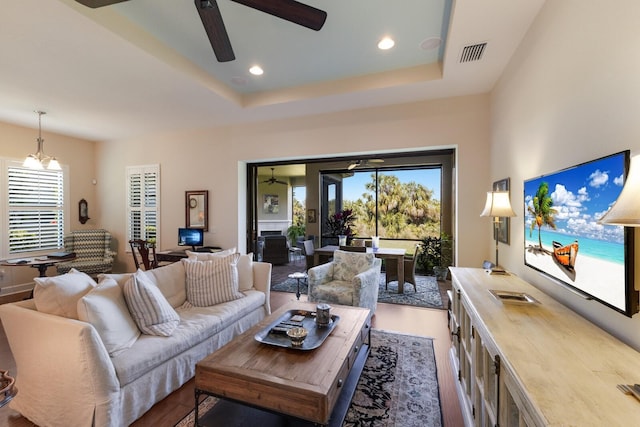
<point>36,209</point>
<point>143,202</point>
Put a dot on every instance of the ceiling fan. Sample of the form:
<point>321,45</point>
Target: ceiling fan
<point>289,10</point>
<point>367,162</point>
<point>273,180</point>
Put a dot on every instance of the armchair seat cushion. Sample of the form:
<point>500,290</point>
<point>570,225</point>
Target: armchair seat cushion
<point>86,266</point>
<point>337,292</point>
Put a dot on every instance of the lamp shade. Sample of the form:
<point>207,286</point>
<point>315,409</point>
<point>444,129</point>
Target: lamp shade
<point>626,210</point>
<point>497,204</point>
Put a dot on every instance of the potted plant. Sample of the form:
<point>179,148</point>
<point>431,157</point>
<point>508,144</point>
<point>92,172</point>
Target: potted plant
<point>341,223</point>
<point>295,231</point>
<point>441,270</point>
<point>436,255</point>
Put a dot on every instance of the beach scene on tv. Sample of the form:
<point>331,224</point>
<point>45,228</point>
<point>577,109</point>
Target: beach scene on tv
<point>562,235</point>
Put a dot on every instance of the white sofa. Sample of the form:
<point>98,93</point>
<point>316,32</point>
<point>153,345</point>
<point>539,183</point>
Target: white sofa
<point>66,377</point>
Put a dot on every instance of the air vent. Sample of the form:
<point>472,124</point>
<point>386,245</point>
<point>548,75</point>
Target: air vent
<point>472,52</point>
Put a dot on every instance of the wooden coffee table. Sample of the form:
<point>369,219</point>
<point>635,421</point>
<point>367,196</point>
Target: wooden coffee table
<point>286,386</point>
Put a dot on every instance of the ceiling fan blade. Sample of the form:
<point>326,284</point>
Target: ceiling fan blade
<point>99,3</point>
<point>216,31</point>
<point>291,11</point>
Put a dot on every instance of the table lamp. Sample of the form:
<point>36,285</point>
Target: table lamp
<point>626,210</point>
<point>497,205</point>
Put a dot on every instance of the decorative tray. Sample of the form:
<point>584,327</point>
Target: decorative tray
<point>276,332</point>
<point>510,297</point>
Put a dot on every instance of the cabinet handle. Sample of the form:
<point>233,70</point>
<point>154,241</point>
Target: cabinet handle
<point>339,383</point>
<point>456,333</point>
<point>355,349</point>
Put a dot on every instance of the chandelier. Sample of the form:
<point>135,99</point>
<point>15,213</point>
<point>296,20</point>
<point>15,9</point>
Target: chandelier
<point>39,160</point>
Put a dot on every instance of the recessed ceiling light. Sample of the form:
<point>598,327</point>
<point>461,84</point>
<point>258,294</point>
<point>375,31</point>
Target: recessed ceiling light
<point>256,70</point>
<point>386,43</point>
<point>430,43</point>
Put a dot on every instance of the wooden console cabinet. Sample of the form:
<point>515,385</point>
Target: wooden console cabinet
<point>534,364</point>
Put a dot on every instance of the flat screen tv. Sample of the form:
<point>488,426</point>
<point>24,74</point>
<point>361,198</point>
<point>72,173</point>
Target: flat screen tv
<point>190,237</point>
<point>564,240</point>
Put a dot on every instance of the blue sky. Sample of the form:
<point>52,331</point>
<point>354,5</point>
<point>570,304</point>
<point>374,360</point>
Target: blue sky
<point>429,178</point>
<point>581,195</point>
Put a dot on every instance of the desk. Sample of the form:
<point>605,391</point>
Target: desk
<point>384,253</point>
<point>40,263</point>
<point>176,255</point>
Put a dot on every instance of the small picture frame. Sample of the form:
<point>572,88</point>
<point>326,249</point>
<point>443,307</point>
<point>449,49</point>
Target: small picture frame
<point>503,226</point>
<point>311,216</point>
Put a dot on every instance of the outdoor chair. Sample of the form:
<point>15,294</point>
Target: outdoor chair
<point>391,269</point>
<point>93,252</point>
<point>352,278</point>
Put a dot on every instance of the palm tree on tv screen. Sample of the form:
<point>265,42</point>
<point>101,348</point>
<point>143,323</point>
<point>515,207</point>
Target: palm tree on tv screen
<point>541,208</point>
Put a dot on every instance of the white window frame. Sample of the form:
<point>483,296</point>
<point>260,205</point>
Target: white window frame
<point>5,209</point>
<point>149,201</point>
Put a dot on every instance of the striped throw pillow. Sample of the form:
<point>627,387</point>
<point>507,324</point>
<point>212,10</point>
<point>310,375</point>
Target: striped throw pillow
<point>212,282</point>
<point>148,307</point>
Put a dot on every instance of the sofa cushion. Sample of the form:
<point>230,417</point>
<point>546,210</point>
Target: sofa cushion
<point>212,282</point>
<point>346,265</point>
<point>245,272</point>
<point>197,324</point>
<point>149,308</point>
<point>170,279</point>
<point>105,308</point>
<point>59,295</point>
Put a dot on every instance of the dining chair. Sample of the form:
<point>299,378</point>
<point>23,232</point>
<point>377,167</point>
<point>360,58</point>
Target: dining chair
<point>142,248</point>
<point>309,250</point>
<point>391,269</point>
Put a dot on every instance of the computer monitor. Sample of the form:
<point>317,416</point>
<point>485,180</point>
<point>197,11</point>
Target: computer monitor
<point>190,237</point>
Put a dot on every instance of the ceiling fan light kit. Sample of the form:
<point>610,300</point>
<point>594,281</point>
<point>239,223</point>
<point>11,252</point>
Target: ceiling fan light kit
<point>289,10</point>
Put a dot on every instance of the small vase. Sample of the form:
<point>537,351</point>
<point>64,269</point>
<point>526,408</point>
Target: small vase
<point>375,242</point>
<point>342,240</point>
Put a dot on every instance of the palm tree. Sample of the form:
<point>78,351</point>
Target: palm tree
<point>541,208</point>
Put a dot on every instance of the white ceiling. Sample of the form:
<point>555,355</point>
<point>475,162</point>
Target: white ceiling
<point>146,66</point>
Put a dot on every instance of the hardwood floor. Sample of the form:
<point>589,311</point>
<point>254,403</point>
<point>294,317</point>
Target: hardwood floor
<point>390,317</point>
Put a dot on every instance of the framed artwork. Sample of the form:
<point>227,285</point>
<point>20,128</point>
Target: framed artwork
<point>503,226</point>
<point>197,209</point>
<point>311,216</point>
<point>270,204</point>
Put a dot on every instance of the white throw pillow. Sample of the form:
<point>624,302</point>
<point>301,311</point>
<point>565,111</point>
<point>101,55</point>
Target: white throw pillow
<point>212,282</point>
<point>170,279</point>
<point>206,256</point>
<point>59,295</point>
<point>149,308</point>
<point>245,272</point>
<point>105,308</point>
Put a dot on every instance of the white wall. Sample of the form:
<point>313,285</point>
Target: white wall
<point>214,160</point>
<point>571,94</point>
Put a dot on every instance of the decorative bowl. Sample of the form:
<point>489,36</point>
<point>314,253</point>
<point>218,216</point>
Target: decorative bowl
<point>297,336</point>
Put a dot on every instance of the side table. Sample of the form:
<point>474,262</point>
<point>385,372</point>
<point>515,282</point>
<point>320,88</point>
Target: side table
<point>298,277</point>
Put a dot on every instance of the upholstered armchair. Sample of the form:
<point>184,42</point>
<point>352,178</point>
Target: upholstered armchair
<point>352,278</point>
<point>92,249</point>
<point>275,249</point>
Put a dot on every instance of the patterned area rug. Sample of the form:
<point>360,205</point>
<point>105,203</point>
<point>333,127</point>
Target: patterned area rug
<point>398,386</point>
<point>426,295</point>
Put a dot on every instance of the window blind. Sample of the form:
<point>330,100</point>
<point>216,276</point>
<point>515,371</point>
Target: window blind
<point>35,209</point>
<point>143,202</point>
